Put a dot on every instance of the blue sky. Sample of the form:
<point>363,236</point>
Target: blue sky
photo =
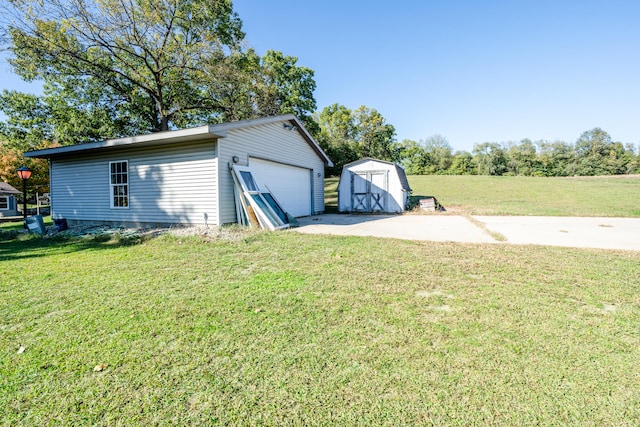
<point>473,71</point>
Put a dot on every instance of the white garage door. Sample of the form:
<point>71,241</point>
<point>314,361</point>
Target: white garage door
<point>290,184</point>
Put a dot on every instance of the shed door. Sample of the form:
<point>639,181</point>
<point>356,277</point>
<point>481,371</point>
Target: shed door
<point>291,185</point>
<point>369,191</point>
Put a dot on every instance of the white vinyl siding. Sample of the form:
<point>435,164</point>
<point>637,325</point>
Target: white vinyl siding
<point>371,186</point>
<point>271,142</point>
<point>175,184</point>
<point>181,180</point>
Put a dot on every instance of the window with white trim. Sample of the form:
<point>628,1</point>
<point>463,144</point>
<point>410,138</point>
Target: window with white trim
<point>4,203</point>
<point>119,172</point>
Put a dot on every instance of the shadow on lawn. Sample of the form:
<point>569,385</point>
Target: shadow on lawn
<point>17,247</point>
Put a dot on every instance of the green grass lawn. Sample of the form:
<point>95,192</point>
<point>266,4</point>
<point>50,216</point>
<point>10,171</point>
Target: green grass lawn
<point>289,329</point>
<point>616,196</point>
<point>18,225</point>
<point>331,194</point>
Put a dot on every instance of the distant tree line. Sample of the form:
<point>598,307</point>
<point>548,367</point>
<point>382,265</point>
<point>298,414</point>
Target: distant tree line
<point>594,153</point>
<point>348,135</point>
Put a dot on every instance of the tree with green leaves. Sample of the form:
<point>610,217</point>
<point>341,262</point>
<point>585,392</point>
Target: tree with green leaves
<point>149,54</point>
<point>439,152</point>
<point>523,158</point>
<point>556,158</point>
<point>597,154</point>
<point>248,86</point>
<point>463,164</point>
<point>348,135</point>
<point>631,159</point>
<point>60,115</point>
<point>337,136</point>
<point>415,159</point>
<point>490,158</point>
<point>431,156</point>
<point>376,138</point>
<point>290,87</point>
<point>139,66</point>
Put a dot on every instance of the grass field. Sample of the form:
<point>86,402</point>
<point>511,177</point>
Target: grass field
<point>18,225</point>
<point>615,196</point>
<point>259,328</point>
<point>289,329</point>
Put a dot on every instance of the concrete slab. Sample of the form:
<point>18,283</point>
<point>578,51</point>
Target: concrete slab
<point>438,228</point>
<point>603,233</point>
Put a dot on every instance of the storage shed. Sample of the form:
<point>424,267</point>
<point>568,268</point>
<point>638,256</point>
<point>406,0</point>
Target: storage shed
<point>372,185</point>
<point>184,176</point>
<point>8,201</point>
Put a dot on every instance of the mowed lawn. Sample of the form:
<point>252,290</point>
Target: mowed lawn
<point>260,328</point>
<point>610,196</point>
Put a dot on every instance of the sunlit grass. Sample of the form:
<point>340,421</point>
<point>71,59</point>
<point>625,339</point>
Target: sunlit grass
<point>616,196</point>
<point>331,194</point>
<point>291,329</point>
<point>18,225</point>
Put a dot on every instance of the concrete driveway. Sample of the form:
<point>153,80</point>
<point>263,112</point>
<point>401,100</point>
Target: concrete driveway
<point>604,233</point>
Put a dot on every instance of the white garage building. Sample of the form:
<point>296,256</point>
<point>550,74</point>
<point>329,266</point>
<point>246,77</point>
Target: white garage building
<point>372,185</point>
<point>183,176</point>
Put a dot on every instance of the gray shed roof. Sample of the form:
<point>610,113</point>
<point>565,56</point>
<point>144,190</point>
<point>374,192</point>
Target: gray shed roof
<point>399,170</point>
<point>7,189</point>
<point>178,136</point>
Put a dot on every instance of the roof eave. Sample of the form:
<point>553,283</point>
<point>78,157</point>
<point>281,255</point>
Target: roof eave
<point>160,138</point>
<point>200,133</point>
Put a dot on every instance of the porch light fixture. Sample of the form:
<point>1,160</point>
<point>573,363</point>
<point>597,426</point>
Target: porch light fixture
<point>24,173</point>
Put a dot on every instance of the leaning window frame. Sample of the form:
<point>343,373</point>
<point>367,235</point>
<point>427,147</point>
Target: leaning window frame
<point>112,186</point>
<point>268,212</point>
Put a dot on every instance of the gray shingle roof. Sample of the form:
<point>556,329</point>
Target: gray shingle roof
<point>7,189</point>
<point>403,178</point>
<point>399,170</point>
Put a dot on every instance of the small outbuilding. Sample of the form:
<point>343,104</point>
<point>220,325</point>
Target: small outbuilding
<point>372,185</point>
<point>184,176</point>
<point>8,201</point>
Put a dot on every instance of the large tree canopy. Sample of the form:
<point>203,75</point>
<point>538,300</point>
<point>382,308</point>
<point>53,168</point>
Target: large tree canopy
<point>145,65</point>
<point>597,154</point>
<point>249,86</point>
<point>148,54</point>
<point>348,135</point>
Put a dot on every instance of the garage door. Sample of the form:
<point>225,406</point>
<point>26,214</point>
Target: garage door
<point>290,184</point>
